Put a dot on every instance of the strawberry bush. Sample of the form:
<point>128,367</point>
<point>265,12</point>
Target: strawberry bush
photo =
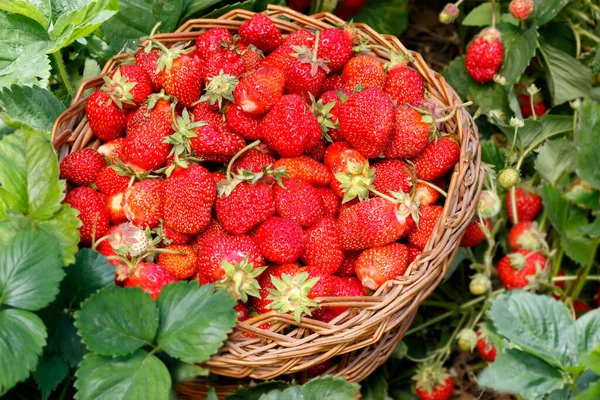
<point>516,312</point>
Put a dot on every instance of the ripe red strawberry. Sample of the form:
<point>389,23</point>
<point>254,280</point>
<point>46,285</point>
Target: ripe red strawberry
<point>181,76</point>
<point>367,120</point>
<point>115,208</point>
<point>521,9</point>
<point>144,148</point>
<point>413,252</point>
<point>348,267</point>
<point>290,128</point>
<point>305,169</point>
<point>403,84</point>
<point>525,236</point>
<point>213,230</point>
<point>251,55</point>
<point>519,268</point>
<point>109,182</point>
<point>107,120</point>
<point>82,166</point>
<point>113,149</point>
<point>437,159</point>
<point>377,265</point>
<point>528,204</point>
<point>320,368</point>
<point>428,217</point>
<point>143,202</point>
<point>426,195</point>
<point>129,84</point>
<point>433,382</point>
<point>208,41</point>
<point>328,114</point>
<point>348,161</point>
<point>258,92</point>
<point>224,61</point>
<point>305,76</point>
<point>147,60</point>
<point>261,32</point>
<point>92,213</point>
<point>104,247</point>
<point>181,266</point>
<point>280,240</point>
<point>333,82</point>
<point>188,199</point>
<point>253,160</point>
<point>365,71</point>
<point>245,125</point>
<point>373,222</point>
<point>332,152</point>
<point>323,252</point>
<point>525,105</point>
<point>337,287</point>
<point>331,202</point>
<point>317,151</point>
<point>245,207</point>
<point>265,280</point>
<point>391,176</point>
<point>215,146</point>
<point>349,8</point>
<point>171,236</point>
<point>221,248</point>
<point>335,46</point>
<point>486,349</point>
<point>484,55</point>
<point>411,133</point>
<point>151,278</point>
<point>474,234</point>
<point>203,112</point>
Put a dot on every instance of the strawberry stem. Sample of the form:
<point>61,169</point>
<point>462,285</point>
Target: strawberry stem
<point>513,198</point>
<point>431,185</point>
<point>239,153</point>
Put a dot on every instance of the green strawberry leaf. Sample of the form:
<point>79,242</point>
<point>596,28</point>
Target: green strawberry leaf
<point>38,10</point>
<point>491,154</point>
<point>592,392</point>
<point>517,372</point>
<point>385,16</point>
<point>90,273</point>
<point>488,96</point>
<point>137,376</point>
<point>51,371</point>
<point>375,387</point>
<point>194,320</point>
<point>457,76</point>
<point>325,387</point>
<point>24,335</point>
<point>534,133</point>
<point>31,67</point>
<point>588,146</point>
<point>256,391</point>
<point>481,15</point>
<point>519,48</point>
<point>30,34</point>
<point>29,107</point>
<point>117,321</point>
<point>591,360</point>
<point>545,10</point>
<point>30,270</point>
<point>588,332</point>
<point>539,325</point>
<point>246,5</point>
<point>183,372</point>
<point>196,8</point>
<point>555,158</point>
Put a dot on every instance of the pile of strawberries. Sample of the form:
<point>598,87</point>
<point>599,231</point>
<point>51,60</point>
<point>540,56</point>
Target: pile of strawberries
<point>279,169</point>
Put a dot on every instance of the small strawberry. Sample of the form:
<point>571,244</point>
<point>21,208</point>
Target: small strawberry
<point>129,84</point>
<point>106,118</point>
<point>113,149</point>
<point>109,182</point>
<point>331,202</point>
<point>391,176</point>
<point>290,128</point>
<point>82,167</point>
<point>104,247</point>
<point>209,41</point>
<point>147,60</point>
<point>327,111</point>
<point>322,367</point>
<point>181,75</point>
<point>484,55</point>
<point>486,350</point>
<point>280,240</point>
<point>261,32</point>
<point>367,120</point>
<point>377,265</point>
<point>335,47</point>
<point>480,284</point>
<point>212,231</point>
<point>115,208</point>
<point>253,160</point>
<point>92,213</point>
<point>475,234</point>
<point>151,278</point>
<point>437,159</point>
<point>365,71</point>
<point>171,236</point>
<point>411,134</point>
<point>525,105</point>
<point>521,268</point>
<point>526,236</point>
<point>305,169</point>
<point>245,125</point>
<point>323,253</point>
<point>528,204</point>
<point>433,382</point>
<point>333,82</point>
<point>428,217</point>
<point>251,55</point>
<point>258,92</point>
<point>348,267</point>
<point>129,240</point>
<point>333,151</point>
<point>403,84</point>
<point>143,202</point>
<point>298,201</point>
<point>425,195</point>
<point>521,9</point>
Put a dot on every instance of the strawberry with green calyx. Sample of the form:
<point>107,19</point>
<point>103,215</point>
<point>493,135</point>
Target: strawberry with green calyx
<point>240,279</point>
<point>306,75</point>
<point>261,304</point>
<point>379,264</point>
<point>354,179</point>
<point>525,235</point>
<point>479,284</point>
<point>82,167</point>
<point>522,269</point>
<point>129,84</point>
<point>184,130</point>
<point>107,119</point>
<point>336,46</point>
<point>432,382</point>
<point>333,151</point>
<point>219,87</point>
<point>466,339</point>
<point>109,181</point>
<point>291,294</point>
<point>143,202</point>
<point>211,40</point>
<point>403,84</point>
<point>486,349</point>
<point>251,55</point>
<point>327,110</point>
<point>147,59</point>
<point>261,32</point>
<point>128,240</point>
<point>527,204</point>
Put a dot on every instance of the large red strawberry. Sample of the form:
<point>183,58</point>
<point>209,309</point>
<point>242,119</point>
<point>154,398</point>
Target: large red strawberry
<point>484,55</point>
<point>151,278</point>
<point>403,84</point>
<point>189,196</point>
<point>258,92</point>
<point>82,167</point>
<point>526,236</point>
<point>333,82</point>
<point>143,202</point>
<point>223,63</point>
<point>182,266</point>
<point>251,55</point>
<point>392,176</point>
<point>298,201</point>
<point>520,268</point>
<point>213,230</point>
<point>331,202</point>
<point>323,253</point>
<point>528,204</point>
<point>305,169</point>
<point>437,159</point>
<point>181,76</point>
<point>377,265</point>
<point>428,217</point>
<point>411,134</point>
<point>261,32</point>
<point>245,125</point>
<point>283,56</point>
<point>280,240</point>
<point>290,128</point>
<point>374,222</point>
<point>365,71</point>
<point>209,41</point>
<point>474,234</point>
<point>129,84</point>
<point>92,213</point>
<point>246,206</point>
<point>432,382</point>
<point>147,60</point>
<point>335,47</point>
<point>367,120</point>
<point>106,118</point>
<point>110,182</point>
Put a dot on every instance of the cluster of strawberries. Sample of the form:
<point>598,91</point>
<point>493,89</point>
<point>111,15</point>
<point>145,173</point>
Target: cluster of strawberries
<point>218,161</point>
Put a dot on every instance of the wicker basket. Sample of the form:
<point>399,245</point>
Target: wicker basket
<point>363,337</point>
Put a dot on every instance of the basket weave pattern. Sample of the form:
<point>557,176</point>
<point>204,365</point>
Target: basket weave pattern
<point>364,336</point>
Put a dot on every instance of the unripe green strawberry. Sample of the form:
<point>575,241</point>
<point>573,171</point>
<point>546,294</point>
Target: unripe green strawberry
<point>508,177</point>
<point>466,339</point>
<point>479,284</point>
<point>489,204</point>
